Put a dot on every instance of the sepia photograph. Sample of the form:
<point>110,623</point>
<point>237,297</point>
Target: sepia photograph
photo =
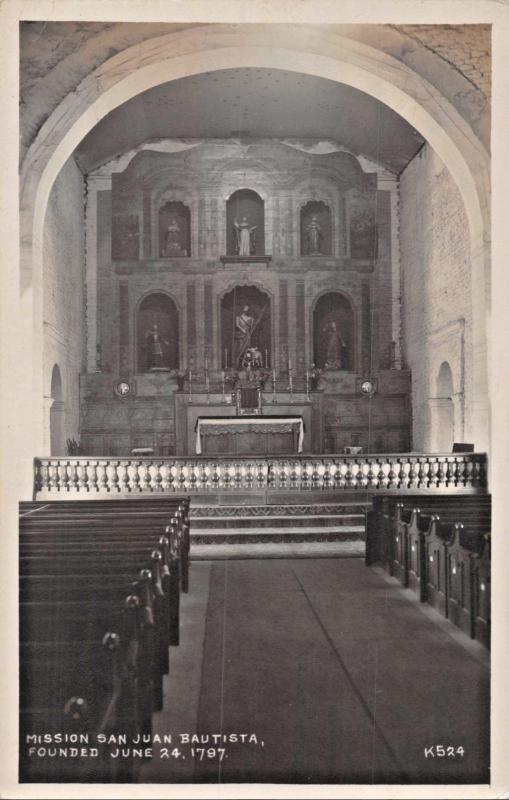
<point>253,442</point>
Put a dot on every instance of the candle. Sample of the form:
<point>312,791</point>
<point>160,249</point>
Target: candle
<point>206,364</point>
<point>226,357</point>
<point>289,365</point>
<point>223,376</point>
<point>266,359</point>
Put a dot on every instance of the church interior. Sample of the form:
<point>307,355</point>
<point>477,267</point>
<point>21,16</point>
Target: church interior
<point>255,281</point>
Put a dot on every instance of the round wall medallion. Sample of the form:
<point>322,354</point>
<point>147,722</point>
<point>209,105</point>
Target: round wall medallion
<point>367,387</point>
<point>122,389</point>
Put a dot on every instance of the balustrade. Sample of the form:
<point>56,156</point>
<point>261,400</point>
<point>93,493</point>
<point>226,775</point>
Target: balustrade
<point>462,472</point>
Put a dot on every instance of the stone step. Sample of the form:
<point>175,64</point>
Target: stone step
<point>338,520</point>
<point>349,549</point>
<point>256,530</point>
<point>286,510</point>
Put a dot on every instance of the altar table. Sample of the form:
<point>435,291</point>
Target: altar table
<point>249,435</point>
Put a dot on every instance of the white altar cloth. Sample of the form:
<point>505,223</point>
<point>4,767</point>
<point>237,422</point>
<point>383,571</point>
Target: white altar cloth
<point>247,424</point>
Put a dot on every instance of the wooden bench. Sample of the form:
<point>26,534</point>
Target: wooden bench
<point>99,608</point>
<point>440,548</point>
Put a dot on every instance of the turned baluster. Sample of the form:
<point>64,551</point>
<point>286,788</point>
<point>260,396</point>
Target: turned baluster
<point>450,471</point>
<point>124,477</point>
<point>52,476</point>
<point>371,475</point>
<point>82,476</point>
<point>237,476</point>
<point>440,475</point>
<point>64,476</point>
<point>412,473</point>
<point>92,480</point>
<point>216,476</point>
<point>283,474</point>
<point>146,479</point>
<point>249,479</point>
<point>422,472</point>
<point>260,474</point>
<point>103,476</point>
<point>348,473</point>
<point>192,478</point>
<point>71,480</point>
<point>115,478</point>
<point>304,476</point>
<point>391,475</point>
<point>326,477</point>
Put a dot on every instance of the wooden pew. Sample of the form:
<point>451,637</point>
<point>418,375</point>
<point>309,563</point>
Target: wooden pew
<point>72,582</point>
<point>439,548</point>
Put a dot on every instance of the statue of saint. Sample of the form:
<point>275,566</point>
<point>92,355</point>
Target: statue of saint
<point>314,236</point>
<point>243,329</point>
<point>155,344</point>
<point>244,232</point>
<point>335,346</point>
<point>173,241</point>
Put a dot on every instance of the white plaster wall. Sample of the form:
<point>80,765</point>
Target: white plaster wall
<point>436,293</point>
<point>63,295</point>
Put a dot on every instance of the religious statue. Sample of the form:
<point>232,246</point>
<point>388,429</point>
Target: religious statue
<point>314,237</point>
<point>244,233</point>
<point>335,347</point>
<point>244,323</point>
<point>173,243</point>
<point>155,344</point>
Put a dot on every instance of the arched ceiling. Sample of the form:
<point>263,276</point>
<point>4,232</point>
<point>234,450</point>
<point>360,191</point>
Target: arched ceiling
<point>252,102</point>
<point>56,56</point>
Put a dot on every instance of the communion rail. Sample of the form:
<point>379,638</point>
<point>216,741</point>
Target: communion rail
<point>401,472</point>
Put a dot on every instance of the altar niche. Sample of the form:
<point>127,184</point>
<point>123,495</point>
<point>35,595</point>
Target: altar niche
<point>245,328</point>
<point>333,326</point>
<point>174,230</point>
<point>315,229</point>
<point>157,334</point>
<point>245,229</point>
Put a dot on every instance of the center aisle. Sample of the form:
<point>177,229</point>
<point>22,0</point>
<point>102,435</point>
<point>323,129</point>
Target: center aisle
<point>339,676</point>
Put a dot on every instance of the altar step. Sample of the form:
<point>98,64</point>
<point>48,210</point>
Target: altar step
<point>278,531</point>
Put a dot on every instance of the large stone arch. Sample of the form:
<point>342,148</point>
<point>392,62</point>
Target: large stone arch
<point>198,50</point>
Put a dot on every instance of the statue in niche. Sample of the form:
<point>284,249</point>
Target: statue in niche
<point>173,243</point>
<point>314,237</point>
<point>244,324</point>
<point>335,352</point>
<point>155,344</point>
<point>244,233</point>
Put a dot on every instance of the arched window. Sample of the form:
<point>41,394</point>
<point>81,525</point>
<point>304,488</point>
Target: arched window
<point>444,432</point>
<point>333,326</point>
<point>245,228</point>
<point>158,334</point>
<point>315,229</point>
<point>174,230</point>
<point>57,414</point>
<point>245,328</point>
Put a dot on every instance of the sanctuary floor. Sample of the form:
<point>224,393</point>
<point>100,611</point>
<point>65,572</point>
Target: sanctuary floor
<point>333,673</point>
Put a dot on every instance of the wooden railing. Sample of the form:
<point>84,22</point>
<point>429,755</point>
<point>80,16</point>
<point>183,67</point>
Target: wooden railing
<point>401,472</point>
